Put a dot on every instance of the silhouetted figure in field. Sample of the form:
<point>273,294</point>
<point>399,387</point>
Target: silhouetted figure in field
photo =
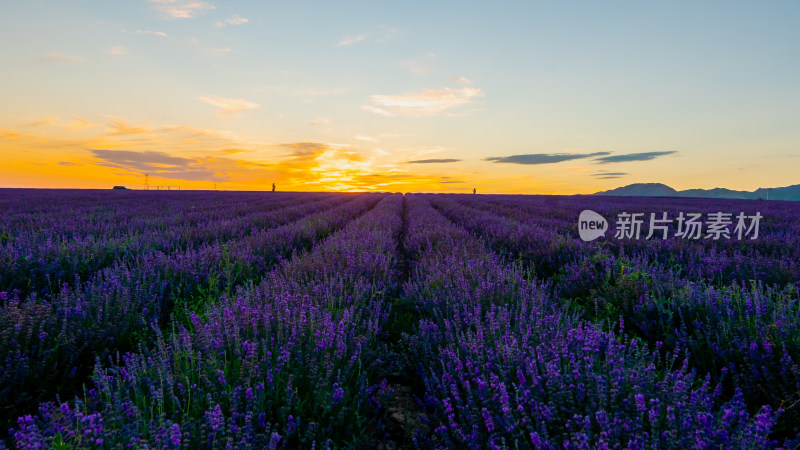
<point>474,191</point>
<point>273,187</point>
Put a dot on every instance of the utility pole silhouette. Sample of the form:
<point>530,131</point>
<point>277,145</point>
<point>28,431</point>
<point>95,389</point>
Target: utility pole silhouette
<point>146,181</point>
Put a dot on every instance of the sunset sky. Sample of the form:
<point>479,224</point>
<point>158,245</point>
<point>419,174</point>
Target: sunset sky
<point>523,97</point>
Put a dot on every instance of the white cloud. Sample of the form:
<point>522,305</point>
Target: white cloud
<point>350,40</point>
<point>462,114</point>
<point>235,20</point>
<point>383,34</point>
<point>426,151</point>
<point>367,138</point>
<point>462,80</point>
<point>428,103</point>
<point>117,50</point>
<point>230,106</point>
<point>58,57</point>
<point>154,33</point>
<point>378,111</point>
<point>181,9</point>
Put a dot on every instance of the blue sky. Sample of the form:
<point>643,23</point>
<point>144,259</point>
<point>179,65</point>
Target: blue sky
<point>524,97</point>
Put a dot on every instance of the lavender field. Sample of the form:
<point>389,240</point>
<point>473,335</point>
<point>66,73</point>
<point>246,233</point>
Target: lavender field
<point>135,319</point>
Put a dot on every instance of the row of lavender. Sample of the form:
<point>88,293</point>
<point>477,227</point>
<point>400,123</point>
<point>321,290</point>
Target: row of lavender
<point>49,239</point>
<point>506,364</point>
<point>50,344</point>
<point>289,361</point>
<point>732,307</point>
<point>543,230</point>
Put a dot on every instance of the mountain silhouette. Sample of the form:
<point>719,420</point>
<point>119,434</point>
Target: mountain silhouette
<point>662,190</point>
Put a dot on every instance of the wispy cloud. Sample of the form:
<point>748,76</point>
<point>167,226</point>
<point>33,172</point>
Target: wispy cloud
<point>58,57</point>
<point>305,150</point>
<point>121,126</point>
<point>44,121</point>
<point>230,106</point>
<point>117,50</point>
<point>181,9</point>
<point>367,138</point>
<point>604,175</point>
<point>379,111</point>
<point>381,35</point>
<point>235,20</point>
<point>428,103</point>
<point>321,151</point>
<point>645,156</point>
<point>350,40</point>
<point>433,161</point>
<point>233,151</point>
<point>77,123</point>
<point>141,161</point>
<point>462,80</point>
<point>597,158</point>
<point>418,153</point>
<point>197,132</point>
<point>154,33</point>
<point>609,174</point>
<point>419,65</point>
<point>8,133</point>
<point>161,164</point>
<point>543,158</point>
<point>68,163</point>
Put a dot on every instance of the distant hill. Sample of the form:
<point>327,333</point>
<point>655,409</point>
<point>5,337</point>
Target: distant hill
<point>662,190</point>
